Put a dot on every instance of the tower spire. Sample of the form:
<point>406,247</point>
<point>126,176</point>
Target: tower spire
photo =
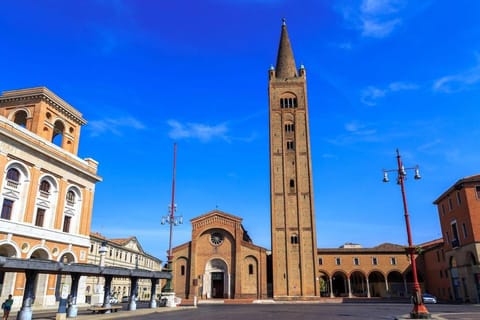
<point>286,67</point>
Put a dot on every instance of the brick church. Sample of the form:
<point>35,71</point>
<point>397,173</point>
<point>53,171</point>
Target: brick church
<point>222,262</point>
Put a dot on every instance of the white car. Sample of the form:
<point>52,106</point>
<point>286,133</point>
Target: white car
<point>429,298</point>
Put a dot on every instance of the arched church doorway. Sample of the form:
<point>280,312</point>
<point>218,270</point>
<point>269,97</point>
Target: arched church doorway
<point>216,280</point>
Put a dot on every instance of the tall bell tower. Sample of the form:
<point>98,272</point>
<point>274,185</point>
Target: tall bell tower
<point>294,245</point>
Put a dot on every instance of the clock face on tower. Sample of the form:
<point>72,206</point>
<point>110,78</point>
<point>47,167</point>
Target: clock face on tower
<point>216,238</point>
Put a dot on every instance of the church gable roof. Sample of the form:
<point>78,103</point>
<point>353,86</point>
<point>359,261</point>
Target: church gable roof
<point>215,217</point>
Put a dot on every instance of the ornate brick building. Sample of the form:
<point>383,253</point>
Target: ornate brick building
<point>220,261</point>
<point>46,189</point>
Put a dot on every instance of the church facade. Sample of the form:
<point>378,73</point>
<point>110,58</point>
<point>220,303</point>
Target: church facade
<point>220,261</point>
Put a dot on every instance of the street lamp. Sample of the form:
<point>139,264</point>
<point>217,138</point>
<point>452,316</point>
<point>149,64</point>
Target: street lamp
<point>172,221</point>
<point>419,310</point>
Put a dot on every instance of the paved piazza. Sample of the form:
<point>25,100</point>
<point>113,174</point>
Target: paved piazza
<point>346,311</point>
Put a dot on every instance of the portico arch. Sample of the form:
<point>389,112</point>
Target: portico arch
<point>396,284</point>
<point>7,279</point>
<point>339,284</point>
<point>358,284</point>
<point>377,284</point>
<point>324,283</point>
<point>41,280</point>
<point>63,282</point>
<point>216,279</point>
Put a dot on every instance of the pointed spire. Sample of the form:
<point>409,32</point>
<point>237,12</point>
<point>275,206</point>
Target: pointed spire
<point>286,67</point>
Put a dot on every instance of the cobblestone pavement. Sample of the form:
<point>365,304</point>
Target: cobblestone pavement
<point>278,311</point>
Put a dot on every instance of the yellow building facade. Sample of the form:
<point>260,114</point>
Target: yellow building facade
<point>46,191</point>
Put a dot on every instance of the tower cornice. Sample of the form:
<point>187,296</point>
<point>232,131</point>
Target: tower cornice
<point>43,94</point>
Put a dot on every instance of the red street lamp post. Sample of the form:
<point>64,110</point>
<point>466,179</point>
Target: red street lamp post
<point>419,310</point>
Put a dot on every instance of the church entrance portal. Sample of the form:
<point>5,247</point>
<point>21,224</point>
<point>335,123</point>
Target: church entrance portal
<point>216,280</point>
<point>217,285</point>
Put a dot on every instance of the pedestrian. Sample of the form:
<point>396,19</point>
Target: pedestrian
<point>7,306</point>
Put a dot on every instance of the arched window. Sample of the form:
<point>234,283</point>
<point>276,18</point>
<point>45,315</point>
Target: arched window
<point>13,178</point>
<point>182,270</point>
<point>13,175</point>
<point>58,130</point>
<point>290,145</point>
<point>289,127</point>
<point>70,197</point>
<point>44,188</point>
<point>287,103</point>
<point>20,118</point>
<point>294,239</point>
<point>250,268</point>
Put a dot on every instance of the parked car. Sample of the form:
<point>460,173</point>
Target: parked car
<point>125,299</point>
<point>113,300</point>
<point>429,298</point>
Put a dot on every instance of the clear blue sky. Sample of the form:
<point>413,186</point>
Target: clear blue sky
<point>145,74</point>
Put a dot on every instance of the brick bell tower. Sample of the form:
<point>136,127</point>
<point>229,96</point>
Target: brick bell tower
<point>294,245</point>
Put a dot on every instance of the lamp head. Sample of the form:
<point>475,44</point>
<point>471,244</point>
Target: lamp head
<point>417,174</point>
<point>385,177</point>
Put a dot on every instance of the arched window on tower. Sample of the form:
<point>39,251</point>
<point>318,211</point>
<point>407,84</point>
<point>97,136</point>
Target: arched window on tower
<point>250,268</point>
<point>289,127</point>
<point>288,103</point>
<point>58,130</point>
<point>20,118</point>
<point>292,185</point>
<point>290,145</point>
<point>294,239</point>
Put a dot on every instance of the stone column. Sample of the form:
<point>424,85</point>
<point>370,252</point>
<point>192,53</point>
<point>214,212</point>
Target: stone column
<point>153,293</point>
<point>132,305</point>
<point>330,280</point>
<point>106,293</point>
<point>72,301</point>
<point>368,289</point>
<point>349,287</point>
<point>387,288</point>
<point>25,312</point>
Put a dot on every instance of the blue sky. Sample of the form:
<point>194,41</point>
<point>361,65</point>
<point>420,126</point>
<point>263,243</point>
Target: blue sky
<point>145,74</point>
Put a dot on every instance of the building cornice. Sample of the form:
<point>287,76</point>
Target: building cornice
<point>42,93</point>
<point>41,146</point>
<point>26,230</point>
<point>458,186</point>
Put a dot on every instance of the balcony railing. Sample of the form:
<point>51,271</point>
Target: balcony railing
<point>12,184</point>
<point>44,194</point>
